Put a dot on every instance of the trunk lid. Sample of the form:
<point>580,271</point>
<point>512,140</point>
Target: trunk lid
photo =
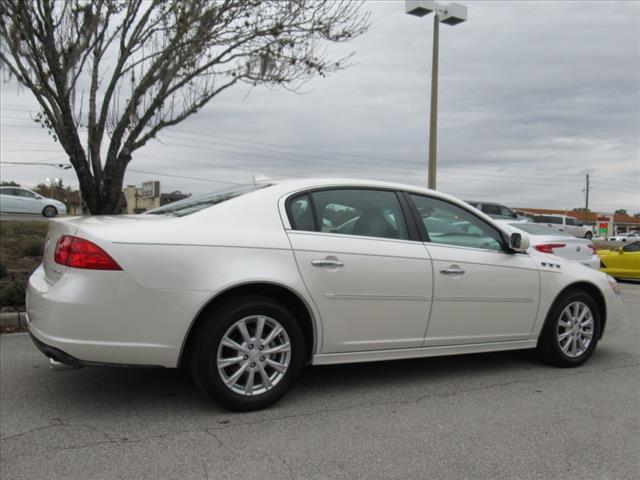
<point>101,230</point>
<point>574,249</point>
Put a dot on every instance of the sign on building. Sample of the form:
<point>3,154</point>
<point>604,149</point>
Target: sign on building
<point>150,189</point>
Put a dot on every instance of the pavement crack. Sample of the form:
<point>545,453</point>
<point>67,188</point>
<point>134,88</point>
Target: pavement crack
<point>204,467</point>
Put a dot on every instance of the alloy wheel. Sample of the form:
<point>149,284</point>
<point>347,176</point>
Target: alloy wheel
<point>575,329</point>
<point>254,355</point>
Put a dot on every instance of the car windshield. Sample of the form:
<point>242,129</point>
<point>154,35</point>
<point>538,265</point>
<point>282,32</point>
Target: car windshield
<point>200,202</point>
<point>537,229</point>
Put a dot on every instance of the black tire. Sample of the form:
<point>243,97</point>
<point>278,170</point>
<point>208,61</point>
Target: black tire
<point>204,351</point>
<point>549,348</point>
<point>588,235</point>
<point>49,211</point>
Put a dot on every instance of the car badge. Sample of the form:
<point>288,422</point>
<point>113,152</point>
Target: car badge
<point>578,248</point>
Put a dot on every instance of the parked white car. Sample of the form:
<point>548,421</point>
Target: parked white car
<point>498,211</point>
<point>246,286</point>
<point>566,224</point>
<point>623,237</point>
<point>23,200</point>
<point>549,240</point>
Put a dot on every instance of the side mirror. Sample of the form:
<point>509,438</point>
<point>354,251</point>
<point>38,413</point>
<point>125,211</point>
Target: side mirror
<point>519,242</point>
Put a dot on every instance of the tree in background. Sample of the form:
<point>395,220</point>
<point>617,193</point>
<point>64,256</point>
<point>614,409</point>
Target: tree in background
<point>126,70</point>
<point>56,191</point>
<point>10,183</point>
<point>621,211</point>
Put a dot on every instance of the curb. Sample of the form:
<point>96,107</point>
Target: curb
<point>13,319</point>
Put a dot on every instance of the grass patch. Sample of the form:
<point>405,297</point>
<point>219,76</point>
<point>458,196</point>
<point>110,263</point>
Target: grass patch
<point>21,247</point>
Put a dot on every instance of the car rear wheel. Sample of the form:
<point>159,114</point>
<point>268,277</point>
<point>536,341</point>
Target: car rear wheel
<point>49,211</point>
<point>571,332</point>
<point>248,353</point>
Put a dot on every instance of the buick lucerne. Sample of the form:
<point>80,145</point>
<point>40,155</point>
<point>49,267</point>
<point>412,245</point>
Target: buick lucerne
<point>245,286</point>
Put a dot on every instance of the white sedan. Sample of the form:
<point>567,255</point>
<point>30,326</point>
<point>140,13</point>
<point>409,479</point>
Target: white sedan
<point>554,242</point>
<point>623,237</point>
<point>23,200</point>
<point>246,286</point>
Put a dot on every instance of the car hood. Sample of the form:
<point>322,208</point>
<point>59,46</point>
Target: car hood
<point>604,253</point>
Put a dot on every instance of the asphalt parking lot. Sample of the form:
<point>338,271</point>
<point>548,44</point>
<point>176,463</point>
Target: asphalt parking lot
<point>495,416</point>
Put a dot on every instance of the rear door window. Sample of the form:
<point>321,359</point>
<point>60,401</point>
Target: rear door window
<point>351,211</point>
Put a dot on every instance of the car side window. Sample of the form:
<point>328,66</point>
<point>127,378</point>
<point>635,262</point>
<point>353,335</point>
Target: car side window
<point>507,212</point>
<point>300,213</point>
<point>449,224</point>
<point>25,193</point>
<point>8,191</point>
<point>570,221</point>
<point>491,209</point>
<point>368,213</point>
<point>632,247</point>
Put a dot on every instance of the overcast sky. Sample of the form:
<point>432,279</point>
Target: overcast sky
<point>533,96</point>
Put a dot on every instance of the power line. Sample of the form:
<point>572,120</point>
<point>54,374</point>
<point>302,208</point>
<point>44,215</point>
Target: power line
<point>160,174</point>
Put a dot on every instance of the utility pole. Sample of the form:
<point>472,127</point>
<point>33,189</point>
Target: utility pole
<point>586,196</point>
<point>433,122</point>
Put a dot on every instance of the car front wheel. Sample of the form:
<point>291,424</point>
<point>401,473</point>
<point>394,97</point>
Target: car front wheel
<point>49,211</point>
<point>588,235</point>
<point>248,353</point>
<point>571,331</point>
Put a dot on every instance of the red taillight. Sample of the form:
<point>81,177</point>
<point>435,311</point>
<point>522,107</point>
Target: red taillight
<point>80,253</point>
<point>548,247</point>
<point>594,250</point>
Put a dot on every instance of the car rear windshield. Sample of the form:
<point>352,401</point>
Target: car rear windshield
<point>200,202</point>
<point>534,229</point>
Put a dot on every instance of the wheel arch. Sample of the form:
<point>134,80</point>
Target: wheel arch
<point>285,295</point>
<point>594,292</point>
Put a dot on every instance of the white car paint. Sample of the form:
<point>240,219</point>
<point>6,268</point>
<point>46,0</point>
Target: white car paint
<point>23,200</point>
<point>390,299</point>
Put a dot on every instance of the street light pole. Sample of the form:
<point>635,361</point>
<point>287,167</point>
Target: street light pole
<point>433,122</point>
<point>451,14</point>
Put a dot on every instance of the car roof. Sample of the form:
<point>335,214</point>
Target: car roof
<point>486,203</point>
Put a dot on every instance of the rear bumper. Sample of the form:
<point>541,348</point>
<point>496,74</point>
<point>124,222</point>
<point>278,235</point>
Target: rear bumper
<point>93,317</point>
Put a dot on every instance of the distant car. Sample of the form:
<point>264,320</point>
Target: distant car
<point>623,262</point>
<point>497,211</point>
<point>549,240</point>
<point>23,200</point>
<point>566,224</point>
<point>623,237</point>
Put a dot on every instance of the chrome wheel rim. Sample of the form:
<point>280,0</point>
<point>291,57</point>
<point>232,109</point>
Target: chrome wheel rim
<point>254,355</point>
<point>575,329</point>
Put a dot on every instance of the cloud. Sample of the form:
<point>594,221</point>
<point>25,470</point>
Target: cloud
<point>533,96</point>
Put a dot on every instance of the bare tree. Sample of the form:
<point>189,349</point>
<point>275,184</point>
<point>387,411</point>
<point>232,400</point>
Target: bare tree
<point>126,70</point>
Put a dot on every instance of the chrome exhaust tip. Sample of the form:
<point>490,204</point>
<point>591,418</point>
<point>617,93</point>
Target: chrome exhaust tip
<point>55,365</point>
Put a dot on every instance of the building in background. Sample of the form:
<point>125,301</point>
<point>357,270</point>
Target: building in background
<point>603,224</point>
<point>147,197</point>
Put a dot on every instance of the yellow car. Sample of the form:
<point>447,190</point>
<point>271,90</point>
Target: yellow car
<point>623,262</point>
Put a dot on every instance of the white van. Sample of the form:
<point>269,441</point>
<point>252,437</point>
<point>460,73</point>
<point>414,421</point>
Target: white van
<point>565,224</point>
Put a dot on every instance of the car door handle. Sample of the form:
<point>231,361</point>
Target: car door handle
<point>327,262</point>
<point>452,270</point>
